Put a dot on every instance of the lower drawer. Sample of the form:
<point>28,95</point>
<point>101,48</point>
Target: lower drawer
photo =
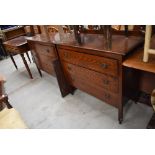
<point>98,79</point>
<point>96,91</point>
<point>87,83</point>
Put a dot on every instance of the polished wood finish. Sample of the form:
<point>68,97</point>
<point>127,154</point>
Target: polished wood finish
<point>101,80</point>
<point>100,64</point>
<point>20,46</point>
<point>44,51</point>
<point>87,63</point>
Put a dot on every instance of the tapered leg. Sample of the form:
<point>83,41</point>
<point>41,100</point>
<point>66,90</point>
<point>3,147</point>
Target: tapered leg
<point>26,65</point>
<point>13,61</point>
<point>28,56</point>
<point>120,114</point>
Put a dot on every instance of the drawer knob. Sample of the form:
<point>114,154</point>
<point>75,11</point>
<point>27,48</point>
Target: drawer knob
<point>69,68</point>
<point>104,66</point>
<point>66,55</point>
<point>106,82</point>
<point>47,50</point>
<point>107,96</point>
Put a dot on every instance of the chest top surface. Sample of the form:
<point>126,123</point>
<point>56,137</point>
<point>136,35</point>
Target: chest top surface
<point>120,44</point>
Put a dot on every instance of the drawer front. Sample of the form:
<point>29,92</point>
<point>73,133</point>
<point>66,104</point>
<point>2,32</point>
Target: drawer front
<point>45,50</point>
<point>98,79</point>
<point>89,85</point>
<point>21,49</point>
<point>48,68</point>
<point>100,64</point>
<point>46,63</point>
<point>46,59</point>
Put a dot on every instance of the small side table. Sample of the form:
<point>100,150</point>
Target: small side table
<point>20,46</point>
<point>144,76</point>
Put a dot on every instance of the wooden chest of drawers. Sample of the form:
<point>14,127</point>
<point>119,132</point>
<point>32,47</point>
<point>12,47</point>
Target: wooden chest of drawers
<point>44,54</point>
<point>88,66</point>
<point>95,70</point>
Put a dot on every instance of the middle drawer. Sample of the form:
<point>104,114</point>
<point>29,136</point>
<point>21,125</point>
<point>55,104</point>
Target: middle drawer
<point>91,77</point>
<point>97,63</point>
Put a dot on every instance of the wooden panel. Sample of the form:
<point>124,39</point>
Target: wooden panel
<point>107,82</point>
<point>46,50</point>
<point>100,64</point>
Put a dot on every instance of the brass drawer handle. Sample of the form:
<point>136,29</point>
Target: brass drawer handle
<point>66,55</point>
<point>106,82</point>
<point>107,96</point>
<point>72,79</point>
<point>104,66</point>
<point>69,68</point>
<point>47,50</point>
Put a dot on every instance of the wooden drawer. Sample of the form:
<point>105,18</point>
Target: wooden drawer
<point>21,49</point>
<point>46,50</point>
<point>100,64</point>
<point>46,63</point>
<point>91,85</point>
<point>98,79</point>
<point>46,59</point>
<point>48,68</point>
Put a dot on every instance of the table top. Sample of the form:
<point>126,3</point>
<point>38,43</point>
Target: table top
<point>16,42</point>
<point>135,60</point>
<point>120,44</point>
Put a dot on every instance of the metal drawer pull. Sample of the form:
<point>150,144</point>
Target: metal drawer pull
<point>69,68</point>
<point>66,55</point>
<point>47,50</point>
<point>104,66</point>
<point>107,96</point>
<point>106,82</point>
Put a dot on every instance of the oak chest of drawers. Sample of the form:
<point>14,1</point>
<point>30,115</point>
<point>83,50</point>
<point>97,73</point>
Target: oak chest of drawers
<point>95,70</point>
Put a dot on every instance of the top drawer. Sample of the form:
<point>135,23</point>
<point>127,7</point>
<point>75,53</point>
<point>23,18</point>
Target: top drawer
<point>100,64</point>
<point>46,50</point>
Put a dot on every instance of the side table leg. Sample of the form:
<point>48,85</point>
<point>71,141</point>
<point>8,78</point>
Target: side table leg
<point>13,61</point>
<point>26,65</point>
<point>28,56</point>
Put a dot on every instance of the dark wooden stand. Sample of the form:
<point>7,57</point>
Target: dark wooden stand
<point>19,46</point>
